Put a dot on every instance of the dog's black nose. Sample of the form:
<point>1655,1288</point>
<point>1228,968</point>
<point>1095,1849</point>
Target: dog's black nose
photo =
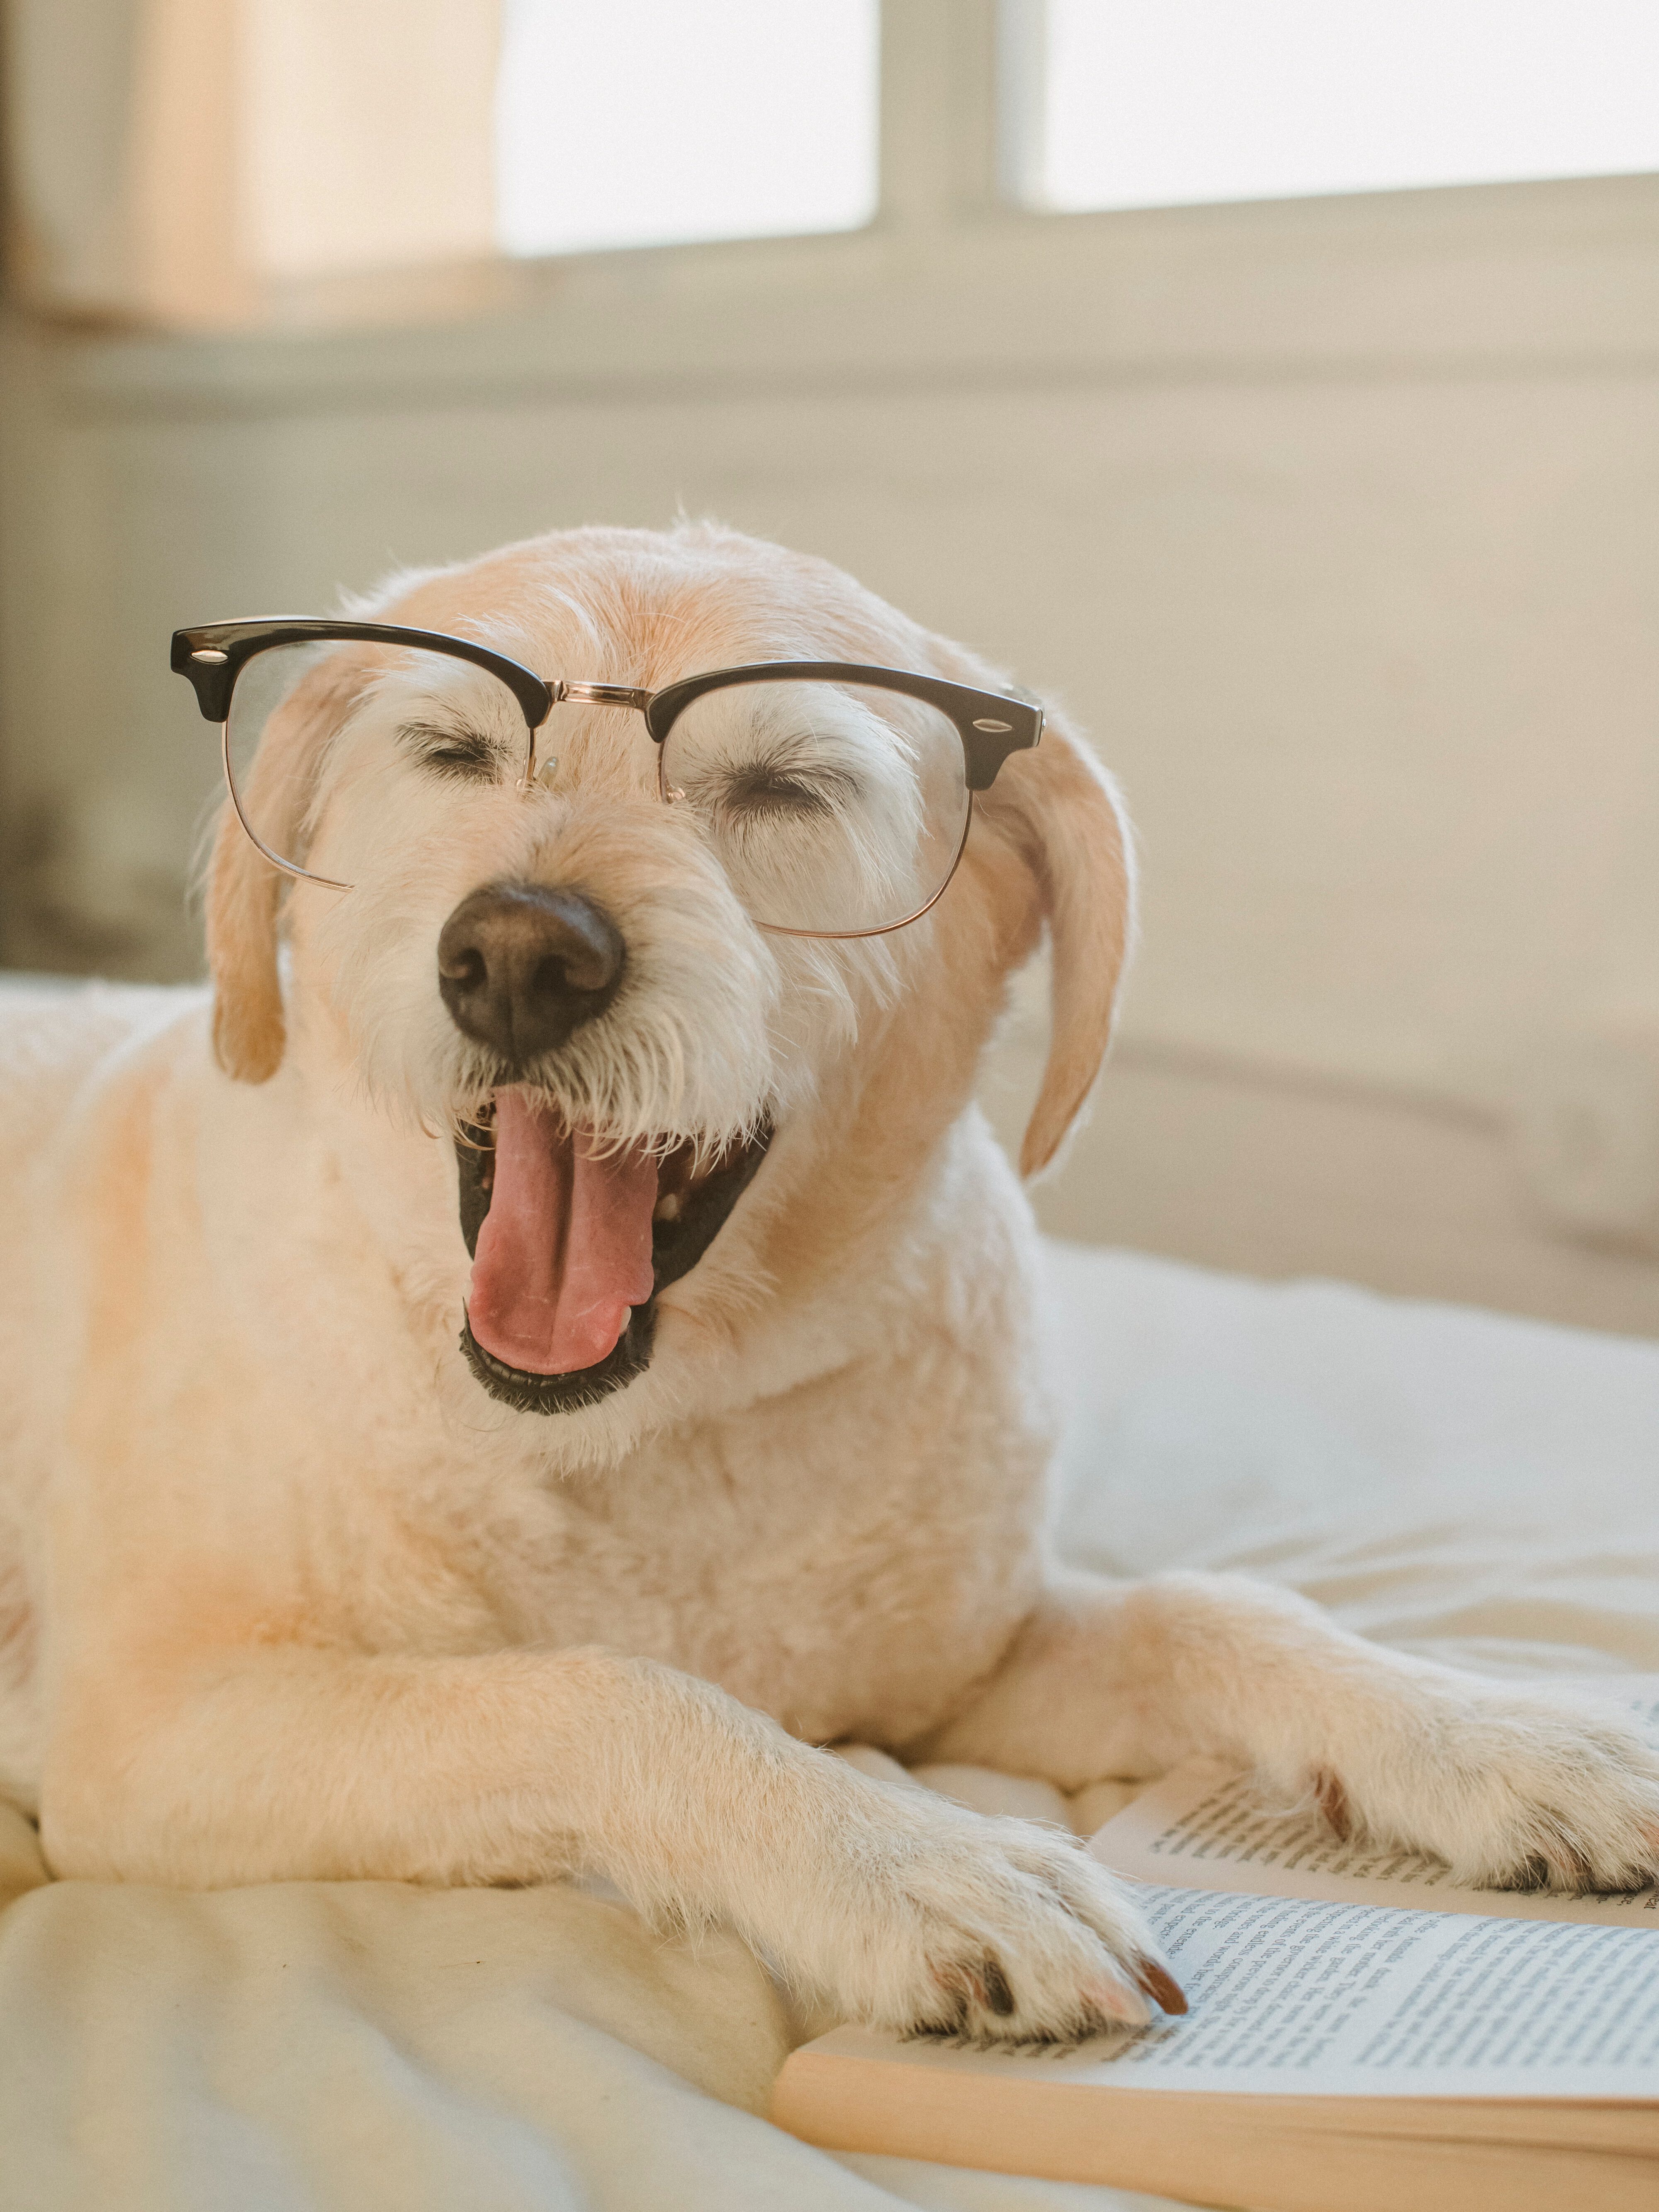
<point>520,965</point>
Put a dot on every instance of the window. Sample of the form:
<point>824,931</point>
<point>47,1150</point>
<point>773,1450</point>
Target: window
<point>1149,103</point>
<point>634,124</point>
<point>314,163</point>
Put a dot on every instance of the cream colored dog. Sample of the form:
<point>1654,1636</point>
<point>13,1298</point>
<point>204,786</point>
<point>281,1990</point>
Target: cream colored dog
<point>289,1589</point>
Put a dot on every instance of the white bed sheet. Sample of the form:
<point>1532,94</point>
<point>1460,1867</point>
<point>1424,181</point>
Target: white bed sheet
<point>1480,1488</point>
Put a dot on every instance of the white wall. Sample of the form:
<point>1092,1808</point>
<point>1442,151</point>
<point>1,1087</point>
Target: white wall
<point>1335,522</point>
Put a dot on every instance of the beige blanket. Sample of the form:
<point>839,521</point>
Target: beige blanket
<point>1476,1487</point>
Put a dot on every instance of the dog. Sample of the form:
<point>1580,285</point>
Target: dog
<point>325,1554</point>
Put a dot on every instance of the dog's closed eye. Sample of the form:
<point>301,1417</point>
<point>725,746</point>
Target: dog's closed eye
<point>790,780</point>
<point>465,755</point>
<point>766,791</point>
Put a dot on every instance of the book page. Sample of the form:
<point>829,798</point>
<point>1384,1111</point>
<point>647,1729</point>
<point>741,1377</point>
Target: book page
<point>1309,1999</point>
<point>1205,1827</point>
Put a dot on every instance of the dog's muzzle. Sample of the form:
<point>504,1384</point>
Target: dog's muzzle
<point>572,1238</point>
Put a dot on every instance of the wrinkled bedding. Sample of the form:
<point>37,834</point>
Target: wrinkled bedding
<point>1480,1489</point>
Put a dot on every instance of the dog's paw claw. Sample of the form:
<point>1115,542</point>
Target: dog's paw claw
<point>1532,1876</point>
<point>1162,1987</point>
<point>1332,1800</point>
<point>995,1993</point>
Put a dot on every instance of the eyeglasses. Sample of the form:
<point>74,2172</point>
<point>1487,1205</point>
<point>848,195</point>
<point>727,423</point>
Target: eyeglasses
<point>838,798</point>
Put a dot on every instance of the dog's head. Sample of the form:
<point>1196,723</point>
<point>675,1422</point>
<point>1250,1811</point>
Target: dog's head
<point>557,982</point>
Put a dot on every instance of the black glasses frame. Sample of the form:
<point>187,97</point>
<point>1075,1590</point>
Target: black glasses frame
<point>992,724</point>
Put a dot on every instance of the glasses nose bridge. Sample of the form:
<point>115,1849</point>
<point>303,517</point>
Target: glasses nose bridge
<point>597,695</point>
<point>561,694</point>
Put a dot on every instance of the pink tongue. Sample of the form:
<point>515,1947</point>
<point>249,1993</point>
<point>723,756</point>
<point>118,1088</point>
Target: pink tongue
<point>565,1249</point>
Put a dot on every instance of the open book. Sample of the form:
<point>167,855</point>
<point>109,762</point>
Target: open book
<point>1364,2037</point>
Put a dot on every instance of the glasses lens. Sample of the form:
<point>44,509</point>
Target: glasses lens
<point>834,807</point>
<point>293,701</point>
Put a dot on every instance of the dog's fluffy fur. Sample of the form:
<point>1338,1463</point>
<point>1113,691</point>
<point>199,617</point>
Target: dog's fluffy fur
<point>284,1593</point>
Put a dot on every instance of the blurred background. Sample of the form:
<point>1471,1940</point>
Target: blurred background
<point>1276,381</point>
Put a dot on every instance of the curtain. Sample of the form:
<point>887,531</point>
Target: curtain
<point>178,162</point>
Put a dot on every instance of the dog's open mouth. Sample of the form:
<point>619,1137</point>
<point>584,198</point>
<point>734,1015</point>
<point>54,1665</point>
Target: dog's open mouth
<point>570,1244</point>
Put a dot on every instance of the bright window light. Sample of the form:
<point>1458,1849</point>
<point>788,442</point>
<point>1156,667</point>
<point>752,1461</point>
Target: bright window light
<point>1154,103</point>
<point>649,122</point>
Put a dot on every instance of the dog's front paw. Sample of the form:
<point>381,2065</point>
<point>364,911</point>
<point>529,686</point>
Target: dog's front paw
<point>938,1922</point>
<point>1512,1790</point>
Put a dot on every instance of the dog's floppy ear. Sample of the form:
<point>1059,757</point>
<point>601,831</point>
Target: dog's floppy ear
<point>244,895</point>
<point>1062,809</point>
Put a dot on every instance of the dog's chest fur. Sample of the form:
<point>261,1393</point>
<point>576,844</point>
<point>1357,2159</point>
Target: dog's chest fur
<point>853,1577</point>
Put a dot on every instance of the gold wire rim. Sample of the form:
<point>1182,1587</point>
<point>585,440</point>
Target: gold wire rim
<point>288,868</point>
